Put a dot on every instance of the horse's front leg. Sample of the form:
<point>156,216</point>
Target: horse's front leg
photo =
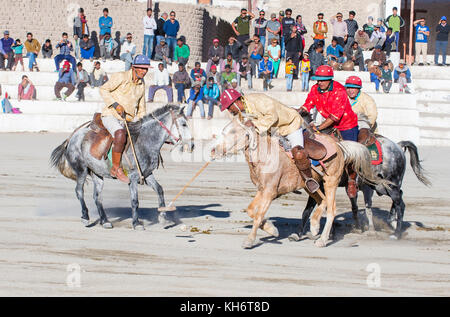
<point>137,225</point>
<point>330,192</point>
<point>163,217</point>
<point>98,188</point>
<point>368,194</point>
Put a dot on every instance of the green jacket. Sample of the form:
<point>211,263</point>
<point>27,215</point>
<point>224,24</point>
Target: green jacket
<point>395,22</point>
<point>182,51</point>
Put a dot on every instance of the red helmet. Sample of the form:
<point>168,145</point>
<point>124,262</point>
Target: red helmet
<point>324,72</point>
<point>353,82</point>
<point>228,97</point>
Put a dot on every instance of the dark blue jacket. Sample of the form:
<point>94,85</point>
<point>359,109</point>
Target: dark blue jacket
<point>171,29</point>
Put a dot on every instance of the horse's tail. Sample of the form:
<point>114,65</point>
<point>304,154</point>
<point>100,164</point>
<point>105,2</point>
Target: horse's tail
<point>359,157</point>
<point>415,162</point>
<point>58,160</point>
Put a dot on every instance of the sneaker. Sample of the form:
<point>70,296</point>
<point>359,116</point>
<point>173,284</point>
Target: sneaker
<point>64,98</point>
<point>58,99</point>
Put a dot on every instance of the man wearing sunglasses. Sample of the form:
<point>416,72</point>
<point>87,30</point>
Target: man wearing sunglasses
<point>340,30</point>
<point>241,27</point>
<point>171,28</point>
<point>260,25</point>
<point>286,26</point>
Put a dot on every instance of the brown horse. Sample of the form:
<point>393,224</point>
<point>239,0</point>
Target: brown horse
<point>274,173</point>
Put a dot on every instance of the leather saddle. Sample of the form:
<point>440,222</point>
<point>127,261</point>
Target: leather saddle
<point>319,149</point>
<point>100,139</point>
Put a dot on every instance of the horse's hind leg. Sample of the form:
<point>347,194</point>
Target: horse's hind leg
<point>368,195</point>
<point>137,225</point>
<point>314,222</point>
<point>396,196</point>
<point>79,190</point>
<point>354,202</point>
<point>98,188</point>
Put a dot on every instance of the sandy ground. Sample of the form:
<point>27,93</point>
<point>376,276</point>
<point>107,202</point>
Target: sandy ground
<point>41,235</point>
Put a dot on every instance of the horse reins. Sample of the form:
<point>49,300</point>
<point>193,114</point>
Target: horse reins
<point>174,121</point>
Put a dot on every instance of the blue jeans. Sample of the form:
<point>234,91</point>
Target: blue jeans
<point>282,46</point>
<point>31,60</point>
<point>350,134</point>
<point>289,81</point>
<point>190,108</point>
<point>70,58</point>
<point>159,38</point>
<point>262,39</point>
<point>171,42</point>
<point>377,84</point>
<point>305,81</point>
<point>128,59</point>
<point>211,102</point>
<point>249,79</point>
<point>87,54</point>
<point>441,46</point>
<point>180,91</point>
<point>397,38</point>
<point>148,45</point>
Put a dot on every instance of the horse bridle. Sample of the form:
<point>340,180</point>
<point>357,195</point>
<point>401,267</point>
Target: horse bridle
<point>174,122</point>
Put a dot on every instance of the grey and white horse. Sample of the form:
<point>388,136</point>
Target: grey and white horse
<point>392,169</point>
<point>74,160</point>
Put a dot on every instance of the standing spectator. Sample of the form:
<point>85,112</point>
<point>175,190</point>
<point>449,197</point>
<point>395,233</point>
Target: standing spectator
<point>442,31</point>
<point>65,47</point>
<point>160,34</point>
<point>375,76</point>
<point>87,48</point>
<point>378,38</point>
<point>32,45</point>
<point>294,48</point>
<point>305,70</point>
<point>162,53</point>
<point>18,54</point>
<point>216,75</point>
<point>234,48</point>
<point>182,52</point>
<point>395,22</point>
<point>369,27</point>
<point>363,40</point>
<point>352,27</point>
<point>389,44</point>
<point>211,94</point>
<point>260,25</point>
<point>216,54</point>
<point>66,79</point>
<point>274,51</point>
<point>286,25</point>
<point>98,76</point>
<point>320,29</point>
<point>26,90</point>
<point>149,33</point>
<point>195,99</point>
<point>378,55</point>
<point>128,50</point>
<point>229,61</point>
<point>105,24</point>
<point>80,26</point>
<point>227,76</point>
<point>316,58</point>
<point>340,31</point>
<point>182,81</point>
<point>290,69</point>
<point>255,53</point>
<point>82,80</point>
<point>354,53</point>
<point>6,51</point>
<point>241,27</point>
<point>198,74</point>
<point>280,20</point>
<point>386,78</point>
<point>266,71</point>
<point>244,71</point>
<point>335,52</point>
<point>301,28</point>
<point>402,76</point>
<point>273,28</point>
<point>171,28</point>
<point>47,49</point>
<point>422,34</point>
<point>161,80</point>
<point>108,47</point>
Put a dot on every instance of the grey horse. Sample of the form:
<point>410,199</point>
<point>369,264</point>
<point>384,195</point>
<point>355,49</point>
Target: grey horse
<point>392,169</point>
<point>74,160</point>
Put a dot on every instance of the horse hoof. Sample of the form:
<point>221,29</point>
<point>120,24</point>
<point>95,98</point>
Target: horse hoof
<point>271,229</point>
<point>107,225</point>
<point>320,243</point>
<point>310,236</point>
<point>139,227</point>
<point>248,244</point>
<point>85,222</point>
<point>166,209</point>
<point>295,237</point>
<point>394,237</point>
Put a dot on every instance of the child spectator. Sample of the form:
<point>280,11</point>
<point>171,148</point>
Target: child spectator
<point>195,99</point>
<point>66,79</point>
<point>402,76</point>
<point>18,54</point>
<point>389,44</point>
<point>82,78</point>
<point>266,71</point>
<point>305,69</point>
<point>290,68</point>
<point>235,86</point>
<point>26,90</point>
<point>211,94</point>
<point>375,76</point>
<point>227,77</point>
<point>47,49</point>
<point>198,74</point>
<point>215,74</point>
<point>98,76</point>
<point>182,81</point>
<point>386,78</point>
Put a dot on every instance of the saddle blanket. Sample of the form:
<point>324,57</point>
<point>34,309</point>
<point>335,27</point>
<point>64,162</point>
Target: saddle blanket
<point>376,153</point>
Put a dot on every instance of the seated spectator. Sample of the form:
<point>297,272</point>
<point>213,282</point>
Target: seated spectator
<point>82,79</point>
<point>235,86</point>
<point>6,52</point>
<point>195,99</point>
<point>108,47</point>
<point>198,74</point>
<point>389,44</point>
<point>363,40</point>
<point>161,81</point>
<point>98,76</point>
<point>290,67</point>
<point>216,54</point>
<point>87,48</point>
<point>215,74</point>
<point>27,91</point>
<point>234,48</point>
<point>182,81</point>
<point>181,53</point>
<point>244,71</point>
<point>369,27</point>
<point>162,53</point>
<point>402,76</point>
<point>386,78</point>
<point>229,61</point>
<point>66,79</point>
<point>378,37</point>
<point>354,53</point>
<point>335,52</point>
<point>127,51</point>
<point>65,47</point>
<point>18,54</point>
<point>378,55</point>
<point>274,51</point>
<point>375,76</point>
<point>226,77</point>
<point>316,57</point>
<point>255,53</point>
<point>47,49</point>
<point>211,94</point>
<point>32,46</point>
<point>266,72</point>
<point>380,25</point>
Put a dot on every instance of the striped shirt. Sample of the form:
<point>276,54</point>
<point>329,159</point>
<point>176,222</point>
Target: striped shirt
<point>352,27</point>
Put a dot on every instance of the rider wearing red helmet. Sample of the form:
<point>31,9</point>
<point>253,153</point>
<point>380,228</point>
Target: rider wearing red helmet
<point>267,114</point>
<point>365,108</point>
<point>330,99</point>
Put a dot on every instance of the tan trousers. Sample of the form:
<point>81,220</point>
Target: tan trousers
<point>421,49</point>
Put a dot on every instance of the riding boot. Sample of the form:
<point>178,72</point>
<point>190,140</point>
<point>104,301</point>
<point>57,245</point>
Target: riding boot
<point>118,147</point>
<point>352,187</point>
<point>304,166</point>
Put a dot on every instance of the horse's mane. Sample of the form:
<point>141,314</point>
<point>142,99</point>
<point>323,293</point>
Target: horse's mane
<point>135,127</point>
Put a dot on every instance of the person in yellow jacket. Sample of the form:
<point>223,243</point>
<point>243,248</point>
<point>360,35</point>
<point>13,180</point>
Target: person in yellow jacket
<point>364,106</point>
<point>124,96</point>
<point>267,114</point>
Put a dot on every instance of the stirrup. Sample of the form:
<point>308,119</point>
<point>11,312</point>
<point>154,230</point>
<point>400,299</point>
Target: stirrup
<point>312,185</point>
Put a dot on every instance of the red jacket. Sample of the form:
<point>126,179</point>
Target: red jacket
<point>333,104</point>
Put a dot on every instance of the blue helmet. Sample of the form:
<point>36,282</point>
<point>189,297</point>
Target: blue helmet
<point>141,61</point>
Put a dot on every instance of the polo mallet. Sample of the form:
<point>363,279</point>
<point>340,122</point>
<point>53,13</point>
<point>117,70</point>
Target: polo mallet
<point>141,177</point>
